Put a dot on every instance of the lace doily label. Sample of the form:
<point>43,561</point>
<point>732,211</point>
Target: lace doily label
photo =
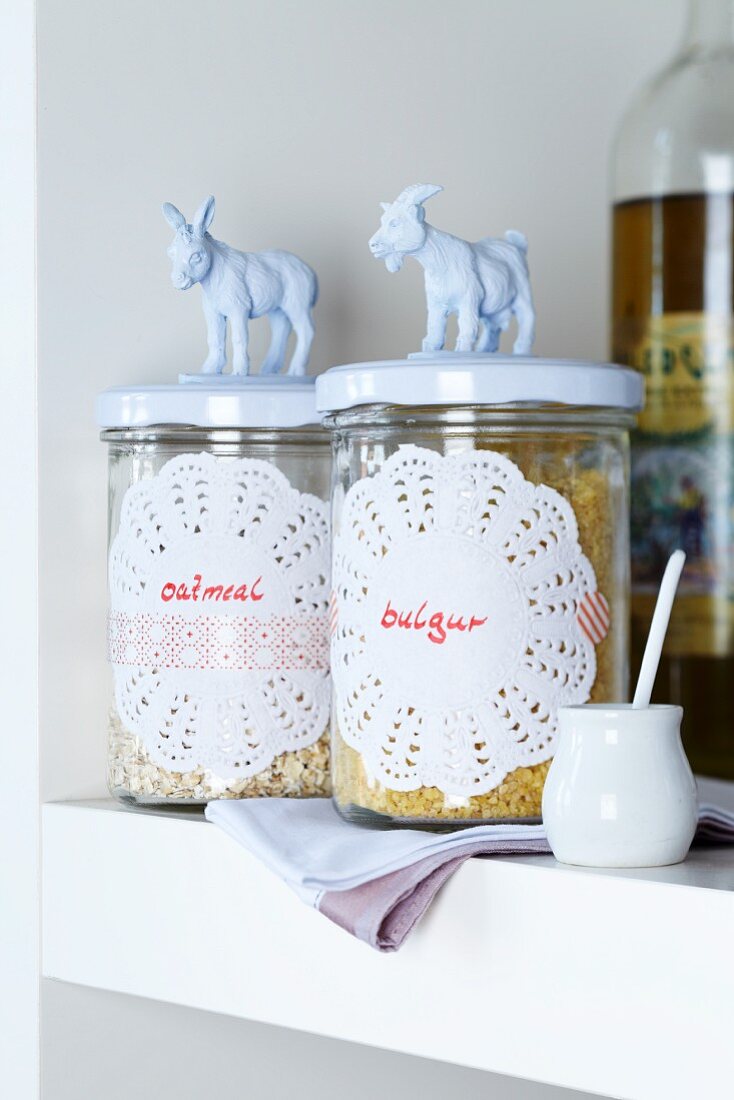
<point>465,615</point>
<point>438,603</point>
<point>218,626</point>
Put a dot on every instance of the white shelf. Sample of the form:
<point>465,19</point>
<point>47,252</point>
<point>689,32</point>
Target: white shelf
<point>620,983</point>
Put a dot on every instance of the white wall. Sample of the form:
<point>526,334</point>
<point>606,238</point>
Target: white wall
<point>300,115</point>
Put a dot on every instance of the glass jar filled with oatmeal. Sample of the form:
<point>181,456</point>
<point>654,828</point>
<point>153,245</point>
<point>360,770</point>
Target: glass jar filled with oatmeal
<point>218,591</point>
<point>480,574</point>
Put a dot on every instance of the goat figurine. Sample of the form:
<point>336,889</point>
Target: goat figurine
<point>240,285</point>
<point>484,283</point>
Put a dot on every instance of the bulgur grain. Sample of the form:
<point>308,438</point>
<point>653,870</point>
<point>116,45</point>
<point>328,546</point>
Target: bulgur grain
<point>519,795</point>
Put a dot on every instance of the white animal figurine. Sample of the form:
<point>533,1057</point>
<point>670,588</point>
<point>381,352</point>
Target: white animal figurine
<point>240,285</point>
<point>484,283</point>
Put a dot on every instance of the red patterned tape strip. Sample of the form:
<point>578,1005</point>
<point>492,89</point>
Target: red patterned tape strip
<point>218,642</point>
<point>333,614</point>
<point>593,617</point>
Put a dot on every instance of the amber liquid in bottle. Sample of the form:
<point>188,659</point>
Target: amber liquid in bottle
<point>672,319</point>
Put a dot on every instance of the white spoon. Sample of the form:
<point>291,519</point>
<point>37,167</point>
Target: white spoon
<point>658,629</point>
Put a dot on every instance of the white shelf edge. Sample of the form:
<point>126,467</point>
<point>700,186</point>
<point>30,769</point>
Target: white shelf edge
<point>609,983</point>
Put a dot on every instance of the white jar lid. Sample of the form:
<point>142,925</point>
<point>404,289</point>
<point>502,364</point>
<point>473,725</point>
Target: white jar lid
<point>476,378</point>
<point>206,401</point>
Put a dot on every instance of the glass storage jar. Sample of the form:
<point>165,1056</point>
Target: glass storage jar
<point>480,568</point>
<point>218,591</point>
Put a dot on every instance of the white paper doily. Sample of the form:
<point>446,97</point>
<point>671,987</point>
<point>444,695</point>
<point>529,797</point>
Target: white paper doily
<point>229,670</point>
<point>465,615</point>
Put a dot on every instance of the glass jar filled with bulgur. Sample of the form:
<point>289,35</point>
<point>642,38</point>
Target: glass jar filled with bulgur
<point>480,574</point>
<point>218,572</point>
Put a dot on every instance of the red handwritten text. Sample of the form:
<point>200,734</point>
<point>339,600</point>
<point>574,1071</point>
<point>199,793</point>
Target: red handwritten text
<point>437,624</point>
<point>215,592</point>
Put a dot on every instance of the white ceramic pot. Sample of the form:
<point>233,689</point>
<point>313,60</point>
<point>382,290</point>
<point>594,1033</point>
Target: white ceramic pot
<point>620,791</point>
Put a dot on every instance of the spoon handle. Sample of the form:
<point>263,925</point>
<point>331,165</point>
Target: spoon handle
<point>658,628</point>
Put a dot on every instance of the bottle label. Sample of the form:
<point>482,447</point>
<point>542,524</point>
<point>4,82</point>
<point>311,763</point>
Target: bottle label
<point>218,623</point>
<point>466,615</point>
<point>683,474</point>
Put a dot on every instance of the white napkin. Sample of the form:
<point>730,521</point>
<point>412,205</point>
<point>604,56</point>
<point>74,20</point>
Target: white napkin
<point>308,844</point>
<point>377,885</point>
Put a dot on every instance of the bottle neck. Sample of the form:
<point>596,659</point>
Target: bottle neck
<point>710,26</point>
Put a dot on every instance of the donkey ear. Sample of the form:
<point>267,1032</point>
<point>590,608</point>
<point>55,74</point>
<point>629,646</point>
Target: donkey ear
<point>202,219</point>
<point>173,216</point>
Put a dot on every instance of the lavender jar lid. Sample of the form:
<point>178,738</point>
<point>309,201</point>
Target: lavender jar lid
<point>476,378</point>
<point>206,402</point>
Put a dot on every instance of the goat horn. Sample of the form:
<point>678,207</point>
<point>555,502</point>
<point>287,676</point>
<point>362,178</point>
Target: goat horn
<point>417,193</point>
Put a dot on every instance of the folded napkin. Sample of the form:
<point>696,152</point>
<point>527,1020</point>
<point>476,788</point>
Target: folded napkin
<point>377,884</point>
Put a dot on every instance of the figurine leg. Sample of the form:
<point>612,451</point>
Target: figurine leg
<point>303,328</point>
<point>280,329</point>
<point>489,338</point>
<point>525,315</point>
<point>435,337</point>
<point>216,334</point>
<point>468,329</point>
<point>240,358</point>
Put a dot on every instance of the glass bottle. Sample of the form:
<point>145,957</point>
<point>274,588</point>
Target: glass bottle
<point>673,184</point>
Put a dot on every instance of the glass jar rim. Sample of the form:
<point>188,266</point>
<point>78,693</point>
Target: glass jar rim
<point>313,435</point>
<point>557,419</point>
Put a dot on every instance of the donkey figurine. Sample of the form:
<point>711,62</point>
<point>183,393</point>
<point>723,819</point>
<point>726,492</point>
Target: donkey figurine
<point>484,283</point>
<point>240,285</point>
